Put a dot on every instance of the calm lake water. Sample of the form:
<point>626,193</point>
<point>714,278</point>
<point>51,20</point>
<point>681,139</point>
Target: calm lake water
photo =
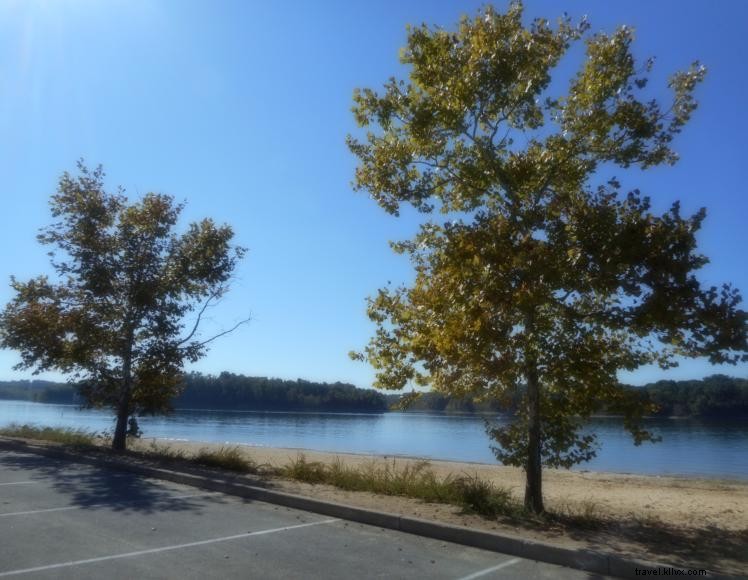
<point>688,447</point>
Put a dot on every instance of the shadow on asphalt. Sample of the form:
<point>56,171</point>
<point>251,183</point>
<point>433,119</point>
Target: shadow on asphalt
<point>88,486</point>
<point>710,546</point>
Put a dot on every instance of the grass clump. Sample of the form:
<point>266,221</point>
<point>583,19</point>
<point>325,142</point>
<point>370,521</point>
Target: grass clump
<point>162,452</point>
<point>229,458</point>
<point>226,458</point>
<point>66,435</point>
<point>416,480</point>
<point>584,515</point>
<point>484,498</point>
<point>308,471</point>
<point>587,516</point>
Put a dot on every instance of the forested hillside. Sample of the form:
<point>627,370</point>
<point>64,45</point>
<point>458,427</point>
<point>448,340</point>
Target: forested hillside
<point>228,391</point>
<point>717,396</point>
<point>714,396</point>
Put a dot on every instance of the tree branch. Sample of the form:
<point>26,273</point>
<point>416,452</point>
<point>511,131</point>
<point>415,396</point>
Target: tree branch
<point>199,318</point>
<point>225,332</point>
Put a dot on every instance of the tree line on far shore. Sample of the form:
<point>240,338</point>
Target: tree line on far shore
<point>232,391</point>
<point>716,396</point>
<point>227,391</point>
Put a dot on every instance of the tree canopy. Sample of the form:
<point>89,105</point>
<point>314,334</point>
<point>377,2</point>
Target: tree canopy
<point>114,318</point>
<point>534,268</point>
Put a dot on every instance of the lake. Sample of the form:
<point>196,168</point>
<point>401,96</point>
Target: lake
<point>688,447</point>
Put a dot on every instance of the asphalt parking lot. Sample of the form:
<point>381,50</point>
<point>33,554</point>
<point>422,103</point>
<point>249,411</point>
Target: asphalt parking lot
<point>68,520</point>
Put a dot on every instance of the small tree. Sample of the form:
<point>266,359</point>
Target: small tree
<point>540,279</point>
<point>114,320</point>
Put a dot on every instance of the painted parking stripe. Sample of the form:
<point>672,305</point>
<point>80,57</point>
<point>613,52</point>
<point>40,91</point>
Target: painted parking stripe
<point>480,573</point>
<point>18,482</point>
<point>98,505</point>
<point>162,549</point>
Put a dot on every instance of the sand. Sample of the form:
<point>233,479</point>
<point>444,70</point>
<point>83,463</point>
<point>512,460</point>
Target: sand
<point>680,501</point>
<point>674,520</point>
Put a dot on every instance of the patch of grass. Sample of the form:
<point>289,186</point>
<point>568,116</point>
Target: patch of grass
<point>229,458</point>
<point>585,514</point>
<point>162,452</point>
<point>307,471</point>
<point>483,497</point>
<point>66,435</point>
<point>646,520</point>
<point>416,480</point>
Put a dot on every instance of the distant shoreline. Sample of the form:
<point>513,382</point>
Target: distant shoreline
<point>715,397</point>
<point>380,412</point>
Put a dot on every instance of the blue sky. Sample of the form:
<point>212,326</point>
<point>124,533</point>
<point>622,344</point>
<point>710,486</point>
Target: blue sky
<point>242,108</point>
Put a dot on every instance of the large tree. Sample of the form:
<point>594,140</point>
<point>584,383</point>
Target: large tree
<point>113,321</point>
<point>535,275</point>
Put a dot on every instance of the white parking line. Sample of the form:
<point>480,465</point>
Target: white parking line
<point>18,482</point>
<point>480,573</point>
<point>163,549</point>
<point>97,505</point>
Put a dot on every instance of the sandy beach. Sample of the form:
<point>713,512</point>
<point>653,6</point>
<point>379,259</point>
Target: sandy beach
<point>690,522</point>
<point>677,501</point>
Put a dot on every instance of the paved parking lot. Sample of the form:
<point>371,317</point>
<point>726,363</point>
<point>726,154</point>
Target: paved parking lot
<point>67,520</point>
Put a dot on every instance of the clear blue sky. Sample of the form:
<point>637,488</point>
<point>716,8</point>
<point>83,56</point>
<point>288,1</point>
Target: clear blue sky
<point>241,108</point>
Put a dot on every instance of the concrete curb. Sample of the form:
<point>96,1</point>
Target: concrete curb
<point>586,560</point>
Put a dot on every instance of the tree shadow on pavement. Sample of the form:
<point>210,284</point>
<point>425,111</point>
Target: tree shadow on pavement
<point>707,547</point>
<point>91,486</point>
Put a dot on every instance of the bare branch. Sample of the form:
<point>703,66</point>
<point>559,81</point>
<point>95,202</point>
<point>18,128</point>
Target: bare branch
<point>225,332</point>
<point>199,318</point>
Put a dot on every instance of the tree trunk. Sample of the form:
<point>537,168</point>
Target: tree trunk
<point>533,470</point>
<point>119,442</point>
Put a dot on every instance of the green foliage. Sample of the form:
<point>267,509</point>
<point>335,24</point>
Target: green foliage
<point>38,391</point>
<point>65,435</point>
<point>227,391</point>
<point>484,498</point>
<point>717,396</point>
<point>533,267</point>
<point>560,444</point>
<point>126,280</point>
<point>232,391</point>
<point>446,403</point>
